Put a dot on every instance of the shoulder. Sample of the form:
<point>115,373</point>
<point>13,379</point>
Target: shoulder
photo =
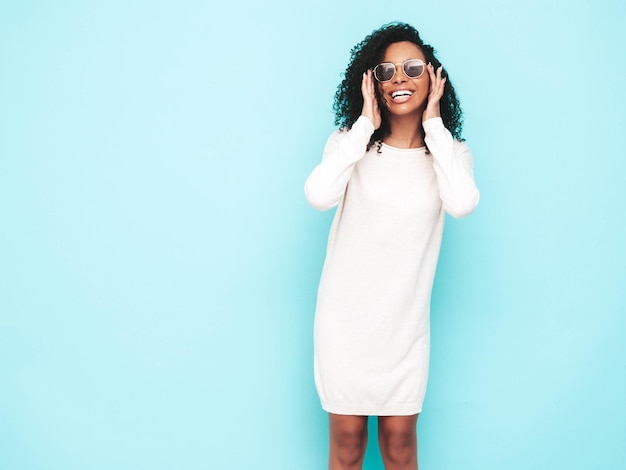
<point>362,124</point>
<point>460,146</point>
<point>360,131</point>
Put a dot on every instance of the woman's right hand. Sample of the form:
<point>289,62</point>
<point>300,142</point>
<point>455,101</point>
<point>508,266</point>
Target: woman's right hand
<point>370,103</point>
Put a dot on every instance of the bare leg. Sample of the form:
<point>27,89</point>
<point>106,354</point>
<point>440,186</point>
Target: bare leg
<point>348,439</point>
<point>397,437</point>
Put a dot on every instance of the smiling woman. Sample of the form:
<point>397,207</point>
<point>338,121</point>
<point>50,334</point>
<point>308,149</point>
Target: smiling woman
<point>403,94</point>
<point>372,335</point>
<point>369,54</point>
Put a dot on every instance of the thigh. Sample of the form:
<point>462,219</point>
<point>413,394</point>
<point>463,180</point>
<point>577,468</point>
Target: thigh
<point>397,424</point>
<point>342,426</point>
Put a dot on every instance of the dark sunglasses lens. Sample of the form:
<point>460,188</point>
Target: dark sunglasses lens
<point>413,68</point>
<point>384,72</point>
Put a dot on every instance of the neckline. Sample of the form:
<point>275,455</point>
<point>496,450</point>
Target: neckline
<point>398,149</point>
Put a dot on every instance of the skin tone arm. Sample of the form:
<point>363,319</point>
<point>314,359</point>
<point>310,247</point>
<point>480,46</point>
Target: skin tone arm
<point>370,103</point>
<point>434,95</point>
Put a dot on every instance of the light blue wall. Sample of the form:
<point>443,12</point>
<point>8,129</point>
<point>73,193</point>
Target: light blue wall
<point>159,265</point>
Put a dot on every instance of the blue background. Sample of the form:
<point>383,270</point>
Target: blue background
<point>159,263</point>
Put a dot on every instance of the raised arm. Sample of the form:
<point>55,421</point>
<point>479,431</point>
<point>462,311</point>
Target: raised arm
<point>327,183</point>
<point>452,159</point>
<point>454,167</point>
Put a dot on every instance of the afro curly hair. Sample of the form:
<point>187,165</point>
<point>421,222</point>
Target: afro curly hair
<point>365,56</point>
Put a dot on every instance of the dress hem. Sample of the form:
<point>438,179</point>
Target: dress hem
<point>404,409</point>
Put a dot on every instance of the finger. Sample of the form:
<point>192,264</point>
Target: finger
<point>439,91</point>
<point>373,91</point>
<point>372,84</point>
<point>440,81</point>
<point>438,73</point>
<point>367,92</point>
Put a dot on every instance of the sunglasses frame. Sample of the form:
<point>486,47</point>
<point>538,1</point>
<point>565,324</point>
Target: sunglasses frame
<point>395,69</point>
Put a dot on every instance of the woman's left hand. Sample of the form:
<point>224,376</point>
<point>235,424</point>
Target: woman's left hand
<point>434,95</point>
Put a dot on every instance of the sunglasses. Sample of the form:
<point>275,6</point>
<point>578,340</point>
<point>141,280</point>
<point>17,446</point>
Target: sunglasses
<point>412,68</point>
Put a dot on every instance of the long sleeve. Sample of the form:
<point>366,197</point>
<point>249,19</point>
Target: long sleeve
<point>454,168</point>
<point>327,183</point>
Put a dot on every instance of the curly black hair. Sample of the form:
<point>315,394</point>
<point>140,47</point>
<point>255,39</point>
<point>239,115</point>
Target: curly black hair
<point>369,53</point>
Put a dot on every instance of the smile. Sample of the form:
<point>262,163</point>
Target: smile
<point>400,93</point>
<point>400,96</point>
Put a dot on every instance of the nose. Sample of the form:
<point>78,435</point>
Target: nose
<point>399,76</point>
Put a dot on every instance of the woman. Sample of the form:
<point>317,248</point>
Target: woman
<point>394,167</point>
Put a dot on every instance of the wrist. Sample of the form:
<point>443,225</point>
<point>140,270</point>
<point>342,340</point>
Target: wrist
<point>432,113</point>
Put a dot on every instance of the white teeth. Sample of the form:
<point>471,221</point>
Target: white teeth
<point>399,93</point>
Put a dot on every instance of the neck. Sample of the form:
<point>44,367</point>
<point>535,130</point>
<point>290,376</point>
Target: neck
<point>406,132</point>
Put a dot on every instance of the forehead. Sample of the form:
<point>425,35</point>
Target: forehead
<point>399,51</point>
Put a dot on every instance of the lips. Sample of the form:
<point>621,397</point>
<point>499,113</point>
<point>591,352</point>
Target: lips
<point>400,96</point>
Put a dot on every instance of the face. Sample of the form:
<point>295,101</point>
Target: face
<point>404,95</point>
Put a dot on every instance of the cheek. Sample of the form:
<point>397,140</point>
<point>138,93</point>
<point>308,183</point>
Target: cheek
<point>380,91</point>
<point>424,83</point>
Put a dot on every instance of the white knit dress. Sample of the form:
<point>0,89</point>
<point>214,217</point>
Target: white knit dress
<point>372,326</point>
